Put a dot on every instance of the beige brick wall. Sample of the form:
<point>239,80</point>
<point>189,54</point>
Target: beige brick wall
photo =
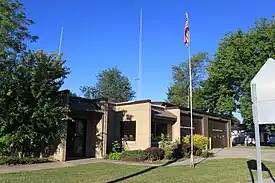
<point>141,113</point>
<point>176,126</point>
<point>60,154</point>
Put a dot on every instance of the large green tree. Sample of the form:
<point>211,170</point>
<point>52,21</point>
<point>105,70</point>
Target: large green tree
<point>178,92</point>
<point>111,84</point>
<point>239,57</point>
<point>31,116</point>
<point>13,27</point>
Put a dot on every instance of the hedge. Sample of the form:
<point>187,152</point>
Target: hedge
<point>9,160</point>
<point>151,154</point>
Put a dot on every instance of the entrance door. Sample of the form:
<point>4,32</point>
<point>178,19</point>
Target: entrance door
<point>76,139</point>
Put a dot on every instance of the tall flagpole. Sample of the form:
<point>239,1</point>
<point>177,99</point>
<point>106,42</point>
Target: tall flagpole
<point>191,107</point>
<point>190,96</point>
<point>140,55</point>
<point>60,41</point>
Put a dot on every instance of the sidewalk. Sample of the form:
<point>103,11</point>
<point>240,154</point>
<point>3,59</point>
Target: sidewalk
<point>43,166</point>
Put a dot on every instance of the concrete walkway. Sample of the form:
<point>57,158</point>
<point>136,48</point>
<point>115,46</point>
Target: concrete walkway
<point>43,166</point>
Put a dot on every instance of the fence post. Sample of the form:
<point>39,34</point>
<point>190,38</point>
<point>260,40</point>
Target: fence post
<point>210,143</point>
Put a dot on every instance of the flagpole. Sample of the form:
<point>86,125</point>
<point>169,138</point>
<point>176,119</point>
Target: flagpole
<point>140,55</point>
<point>60,41</point>
<point>190,101</point>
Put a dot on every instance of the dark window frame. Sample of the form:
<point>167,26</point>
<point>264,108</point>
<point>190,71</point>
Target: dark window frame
<point>132,131</point>
<point>155,131</point>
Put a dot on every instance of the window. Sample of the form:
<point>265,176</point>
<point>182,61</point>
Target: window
<point>157,129</point>
<point>128,130</point>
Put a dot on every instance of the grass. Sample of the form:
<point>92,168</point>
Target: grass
<point>222,171</point>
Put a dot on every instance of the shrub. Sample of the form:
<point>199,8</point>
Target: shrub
<point>187,150</point>
<point>168,153</point>
<point>114,156</point>
<point>178,152</point>
<point>207,154</point>
<point>198,140</point>
<point>172,149</point>
<point>155,153</point>
<point>6,160</point>
<point>135,155</point>
<point>198,152</point>
<point>166,141</point>
<point>4,145</point>
<point>116,147</point>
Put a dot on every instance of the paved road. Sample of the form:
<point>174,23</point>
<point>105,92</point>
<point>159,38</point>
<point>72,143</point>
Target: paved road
<point>249,153</point>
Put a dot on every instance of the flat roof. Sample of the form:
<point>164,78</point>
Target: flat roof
<point>130,102</point>
<point>173,106</point>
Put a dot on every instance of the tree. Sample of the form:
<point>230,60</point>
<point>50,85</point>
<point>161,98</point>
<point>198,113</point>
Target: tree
<point>110,84</point>
<point>31,115</point>
<point>178,92</point>
<point>239,57</point>
<point>73,94</point>
<point>13,27</point>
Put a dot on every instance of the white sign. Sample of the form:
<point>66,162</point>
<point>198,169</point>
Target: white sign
<point>263,94</point>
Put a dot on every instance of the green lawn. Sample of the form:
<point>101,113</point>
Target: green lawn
<point>227,170</point>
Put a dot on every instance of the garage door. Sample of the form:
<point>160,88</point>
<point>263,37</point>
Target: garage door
<point>217,130</point>
<point>186,125</point>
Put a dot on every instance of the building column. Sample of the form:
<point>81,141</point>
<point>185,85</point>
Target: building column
<point>205,126</point>
<point>169,130</point>
<point>229,141</point>
<point>60,153</point>
<point>176,132</point>
<point>101,133</point>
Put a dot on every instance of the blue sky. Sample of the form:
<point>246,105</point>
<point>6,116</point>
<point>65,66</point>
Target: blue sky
<point>99,34</point>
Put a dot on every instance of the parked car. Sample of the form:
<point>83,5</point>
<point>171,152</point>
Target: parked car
<point>271,140</point>
<point>239,139</point>
<point>250,140</point>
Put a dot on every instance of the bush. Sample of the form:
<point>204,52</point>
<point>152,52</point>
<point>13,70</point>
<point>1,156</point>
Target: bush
<point>172,149</point>
<point>198,152</point>
<point>166,141</point>
<point>6,160</point>
<point>155,153</point>
<point>198,140</point>
<point>116,147</point>
<point>114,156</point>
<point>178,152</point>
<point>207,154</point>
<point>187,150</point>
<point>135,155</point>
<point>4,145</point>
<point>168,153</point>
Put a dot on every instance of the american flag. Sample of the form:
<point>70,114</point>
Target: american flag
<point>186,31</point>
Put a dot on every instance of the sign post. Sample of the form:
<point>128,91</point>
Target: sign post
<point>263,104</point>
<point>257,134</point>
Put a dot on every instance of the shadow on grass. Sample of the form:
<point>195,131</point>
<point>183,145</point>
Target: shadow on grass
<point>204,159</point>
<point>252,165</point>
<point>141,172</point>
